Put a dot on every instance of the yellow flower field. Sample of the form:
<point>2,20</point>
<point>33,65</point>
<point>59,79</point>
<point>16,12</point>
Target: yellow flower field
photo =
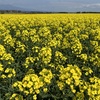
<point>49,57</point>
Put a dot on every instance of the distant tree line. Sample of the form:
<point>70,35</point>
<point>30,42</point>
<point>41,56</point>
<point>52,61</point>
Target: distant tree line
<point>11,11</point>
<point>35,12</point>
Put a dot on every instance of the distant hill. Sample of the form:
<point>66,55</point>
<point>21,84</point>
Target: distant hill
<point>11,7</point>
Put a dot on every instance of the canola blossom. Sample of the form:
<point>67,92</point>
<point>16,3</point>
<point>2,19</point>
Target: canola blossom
<point>49,57</point>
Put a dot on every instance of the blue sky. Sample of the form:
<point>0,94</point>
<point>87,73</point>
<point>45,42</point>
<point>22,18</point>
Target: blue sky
<point>56,5</point>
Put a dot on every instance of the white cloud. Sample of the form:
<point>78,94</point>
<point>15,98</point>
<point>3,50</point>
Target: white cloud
<point>75,4</point>
<point>91,5</point>
<point>64,3</point>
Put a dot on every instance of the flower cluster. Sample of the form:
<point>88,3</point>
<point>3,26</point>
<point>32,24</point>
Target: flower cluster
<point>16,96</point>
<point>28,61</point>
<point>46,76</point>
<point>30,85</point>
<point>60,58</point>
<point>33,84</point>
<point>45,55</point>
<point>76,46</point>
<point>94,88</point>
<point>4,56</point>
<point>71,76</point>
<point>1,67</point>
<point>20,47</point>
